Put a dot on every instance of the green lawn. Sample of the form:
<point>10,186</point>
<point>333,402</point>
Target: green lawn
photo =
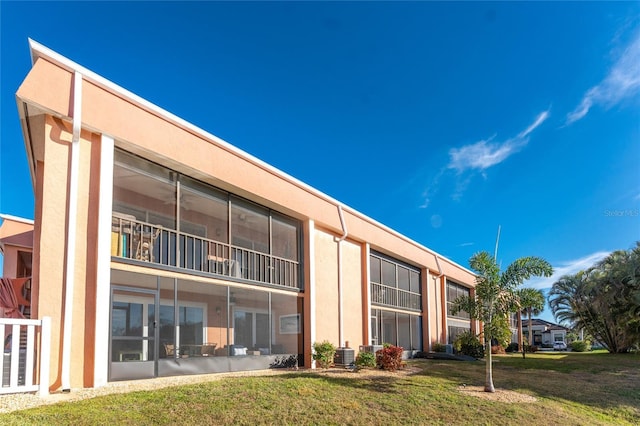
<point>571,388</point>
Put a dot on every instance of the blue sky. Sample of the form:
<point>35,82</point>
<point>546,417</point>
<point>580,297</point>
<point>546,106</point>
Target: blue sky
<point>442,120</point>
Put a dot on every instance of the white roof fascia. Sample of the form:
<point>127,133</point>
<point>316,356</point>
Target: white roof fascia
<point>38,50</point>
<point>16,218</point>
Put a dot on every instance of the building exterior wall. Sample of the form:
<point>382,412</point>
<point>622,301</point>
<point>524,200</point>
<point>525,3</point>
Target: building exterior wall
<point>352,295</point>
<point>326,292</point>
<point>51,232</point>
<point>138,128</point>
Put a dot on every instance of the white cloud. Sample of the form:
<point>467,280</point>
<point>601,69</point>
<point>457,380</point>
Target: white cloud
<point>539,120</point>
<point>623,81</point>
<point>486,153</point>
<point>465,244</point>
<point>476,158</point>
<point>567,268</point>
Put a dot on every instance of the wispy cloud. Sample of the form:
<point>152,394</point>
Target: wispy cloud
<point>567,268</point>
<point>465,244</point>
<point>622,82</point>
<point>474,158</point>
<point>539,120</point>
<point>486,153</point>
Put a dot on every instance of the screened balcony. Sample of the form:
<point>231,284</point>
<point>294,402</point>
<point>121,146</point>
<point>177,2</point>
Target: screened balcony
<point>394,284</point>
<point>394,297</point>
<point>165,218</point>
<point>137,240</point>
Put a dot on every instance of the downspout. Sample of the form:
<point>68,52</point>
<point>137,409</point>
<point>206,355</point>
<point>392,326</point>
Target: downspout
<point>340,302</point>
<point>71,232</point>
<point>437,280</point>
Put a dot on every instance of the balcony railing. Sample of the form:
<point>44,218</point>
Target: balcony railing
<point>395,297</point>
<point>133,239</point>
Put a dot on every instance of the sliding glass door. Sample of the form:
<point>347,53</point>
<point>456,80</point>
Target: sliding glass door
<point>251,329</point>
<point>133,333</point>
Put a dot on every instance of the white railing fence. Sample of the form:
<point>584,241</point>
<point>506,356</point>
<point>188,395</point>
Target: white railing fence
<point>18,364</point>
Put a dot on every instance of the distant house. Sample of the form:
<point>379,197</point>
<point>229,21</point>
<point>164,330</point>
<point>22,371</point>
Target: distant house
<point>544,332</point>
<point>16,242</point>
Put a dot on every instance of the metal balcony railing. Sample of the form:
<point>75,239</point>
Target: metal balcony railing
<point>395,297</point>
<point>133,239</point>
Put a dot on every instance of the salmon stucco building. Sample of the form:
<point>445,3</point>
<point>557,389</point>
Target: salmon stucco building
<point>160,249</point>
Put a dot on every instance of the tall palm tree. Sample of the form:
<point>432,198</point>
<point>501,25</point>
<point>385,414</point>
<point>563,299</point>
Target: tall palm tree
<point>532,302</point>
<point>495,296</point>
<point>604,300</point>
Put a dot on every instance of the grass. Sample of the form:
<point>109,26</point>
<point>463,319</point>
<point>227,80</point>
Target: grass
<point>571,388</point>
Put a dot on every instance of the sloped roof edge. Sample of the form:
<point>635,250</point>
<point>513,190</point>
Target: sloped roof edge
<point>16,219</point>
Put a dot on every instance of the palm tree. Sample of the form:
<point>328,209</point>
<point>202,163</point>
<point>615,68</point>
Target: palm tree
<point>532,302</point>
<point>495,296</point>
<point>604,300</point>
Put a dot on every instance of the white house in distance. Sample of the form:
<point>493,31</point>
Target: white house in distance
<point>544,332</point>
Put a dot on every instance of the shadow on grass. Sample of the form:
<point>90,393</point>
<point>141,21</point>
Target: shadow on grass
<point>385,382</point>
<point>607,382</point>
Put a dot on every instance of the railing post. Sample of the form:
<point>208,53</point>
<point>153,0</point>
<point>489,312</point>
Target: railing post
<point>14,368</point>
<point>45,354</point>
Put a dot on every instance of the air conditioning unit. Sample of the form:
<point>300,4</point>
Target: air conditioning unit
<point>344,357</point>
<point>370,348</point>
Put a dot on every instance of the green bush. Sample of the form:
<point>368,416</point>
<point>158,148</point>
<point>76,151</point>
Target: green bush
<point>467,343</point>
<point>513,347</point>
<point>323,353</point>
<point>439,347</point>
<point>580,346</point>
<point>389,357</point>
<point>366,359</point>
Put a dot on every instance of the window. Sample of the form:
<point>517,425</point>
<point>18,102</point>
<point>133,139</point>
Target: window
<point>284,237</point>
<point>194,320</point>
<point>144,190</point>
<point>404,330</point>
<point>453,292</point>
<point>396,328</point>
<point>249,226</point>
<point>455,331</point>
<point>394,283</point>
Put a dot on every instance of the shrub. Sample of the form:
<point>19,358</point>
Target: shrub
<point>323,353</point>
<point>513,347</point>
<point>467,343</point>
<point>439,347</point>
<point>580,346</point>
<point>366,359</point>
<point>531,348</point>
<point>389,357</point>
<point>497,349</point>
